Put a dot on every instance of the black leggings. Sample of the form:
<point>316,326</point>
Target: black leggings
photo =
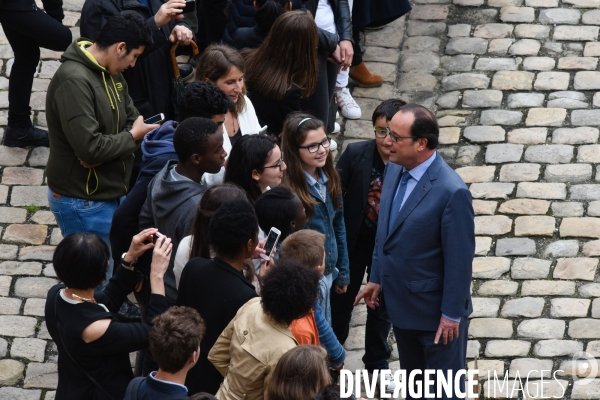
<point>26,32</point>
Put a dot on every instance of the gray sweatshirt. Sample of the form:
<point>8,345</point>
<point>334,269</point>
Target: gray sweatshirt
<point>171,206</point>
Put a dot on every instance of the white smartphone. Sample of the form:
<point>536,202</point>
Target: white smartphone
<point>271,242</point>
<point>158,118</point>
<point>263,130</point>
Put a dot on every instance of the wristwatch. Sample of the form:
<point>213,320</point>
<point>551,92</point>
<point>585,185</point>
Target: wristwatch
<point>127,263</point>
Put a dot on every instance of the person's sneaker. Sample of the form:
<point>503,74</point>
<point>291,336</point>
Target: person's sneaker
<point>333,145</point>
<point>336,129</point>
<point>390,387</point>
<point>347,105</point>
<point>23,137</point>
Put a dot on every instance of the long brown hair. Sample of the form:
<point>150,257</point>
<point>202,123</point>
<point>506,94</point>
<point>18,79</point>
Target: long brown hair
<point>288,56</point>
<point>209,203</point>
<point>300,374</point>
<point>215,63</point>
<point>294,178</point>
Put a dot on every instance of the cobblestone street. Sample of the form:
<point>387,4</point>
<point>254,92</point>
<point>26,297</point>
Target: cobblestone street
<point>515,87</point>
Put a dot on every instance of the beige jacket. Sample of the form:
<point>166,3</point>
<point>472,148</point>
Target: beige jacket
<point>247,351</point>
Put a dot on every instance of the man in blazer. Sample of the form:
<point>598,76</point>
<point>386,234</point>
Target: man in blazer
<point>422,263</point>
<point>361,168</point>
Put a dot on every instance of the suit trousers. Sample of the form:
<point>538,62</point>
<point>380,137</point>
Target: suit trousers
<point>417,351</point>
<point>377,349</point>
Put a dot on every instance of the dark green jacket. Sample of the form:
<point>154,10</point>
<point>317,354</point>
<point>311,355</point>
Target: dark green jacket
<point>89,116</point>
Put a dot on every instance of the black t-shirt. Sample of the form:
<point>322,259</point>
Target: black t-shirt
<point>235,137</point>
<point>368,229</point>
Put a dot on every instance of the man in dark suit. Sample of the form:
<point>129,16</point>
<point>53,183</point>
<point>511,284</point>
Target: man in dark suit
<point>361,169</point>
<point>422,263</point>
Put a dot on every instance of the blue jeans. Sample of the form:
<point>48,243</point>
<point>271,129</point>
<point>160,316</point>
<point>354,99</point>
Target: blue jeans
<point>78,215</point>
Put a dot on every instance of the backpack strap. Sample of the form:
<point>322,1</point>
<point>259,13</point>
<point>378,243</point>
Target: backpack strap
<point>133,388</point>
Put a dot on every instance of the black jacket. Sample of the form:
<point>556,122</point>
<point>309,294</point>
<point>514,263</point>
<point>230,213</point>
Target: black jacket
<point>341,13</point>
<point>149,81</point>
<point>52,7</point>
<point>217,291</point>
<point>354,167</point>
<point>272,112</point>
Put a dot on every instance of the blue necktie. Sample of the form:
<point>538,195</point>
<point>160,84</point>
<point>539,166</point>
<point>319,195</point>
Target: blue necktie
<point>395,211</point>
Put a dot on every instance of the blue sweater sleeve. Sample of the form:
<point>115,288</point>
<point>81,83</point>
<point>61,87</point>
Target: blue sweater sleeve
<point>335,351</point>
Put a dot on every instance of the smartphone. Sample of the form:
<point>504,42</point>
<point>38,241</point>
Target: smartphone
<point>158,118</point>
<point>156,236</point>
<point>263,130</point>
<point>189,7</point>
<point>271,242</point>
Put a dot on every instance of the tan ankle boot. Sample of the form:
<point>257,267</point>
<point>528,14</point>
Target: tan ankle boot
<point>364,78</point>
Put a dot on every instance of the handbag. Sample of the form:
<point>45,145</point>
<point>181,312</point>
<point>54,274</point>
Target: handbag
<point>178,84</point>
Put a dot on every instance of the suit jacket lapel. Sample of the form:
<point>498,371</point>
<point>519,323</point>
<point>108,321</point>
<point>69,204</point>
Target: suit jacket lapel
<point>419,192</point>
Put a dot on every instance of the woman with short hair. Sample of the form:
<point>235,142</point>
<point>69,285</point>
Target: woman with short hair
<point>93,344</point>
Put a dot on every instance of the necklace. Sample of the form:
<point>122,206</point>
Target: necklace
<point>233,123</point>
<point>73,295</point>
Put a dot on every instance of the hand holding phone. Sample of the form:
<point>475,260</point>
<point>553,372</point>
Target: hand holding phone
<point>271,243</point>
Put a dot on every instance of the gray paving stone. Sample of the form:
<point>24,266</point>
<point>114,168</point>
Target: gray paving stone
<point>594,209</point>
<point>466,154</point>
<point>429,12</point>
<point>485,307</point>
<point>517,14</point>
<point>382,54</point>
<point>417,44</point>
<point>28,349</point>
<point>11,371</point>
<point>507,348</point>
<point>530,367</point>
<point>476,174</point>
<point>500,288</point>
<point>512,80</point>
<point>34,287</point>
<point>482,98</point>
<point>524,206</point>
<point>576,268</point>
<point>479,134</point>
<point>460,63</point>
<point>541,328</point>
<point>534,226</point>
<point>586,80</point>
<point>584,328</point>
<point>419,62</point>
<point>585,192</point>
<point>530,307</point>
<point>483,244</point>
<point>492,225</point>
<point>491,190</point>
<point>591,249</point>
<point>538,63</point>
<point>501,117</point>
<point>552,81</point>
<point>493,31</point>
<point>501,153</point>
<point>582,33</point>
<point>567,103</point>
<point>420,28</point>
<point>527,135</point>
<point>490,328</point>
<point>466,46</point>
<point>555,16</point>
<point>448,100</point>
<point>588,153</point>
<point>497,64</point>
<point>524,47</point>
<point>490,267</point>
<point>41,375</point>
<point>567,209</point>
<point>465,81</point>
<point>482,207</point>
<point>519,172</point>
<point>413,81</point>
<point>521,100</point>
<point>532,31</point>
<point>550,153</point>
<point>515,247</point>
<point>17,326</point>
<point>578,63</point>
<point>499,47</point>
<point>583,3</point>
<point>562,248</point>
<point>530,268</point>
<point>568,173</point>
<point>459,30</point>
<point>11,393</point>
<point>29,195</point>
<point>536,190</point>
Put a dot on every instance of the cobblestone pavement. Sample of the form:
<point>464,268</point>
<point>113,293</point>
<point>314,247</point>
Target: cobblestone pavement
<point>515,87</point>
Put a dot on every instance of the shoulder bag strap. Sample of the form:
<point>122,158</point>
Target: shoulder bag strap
<point>69,354</point>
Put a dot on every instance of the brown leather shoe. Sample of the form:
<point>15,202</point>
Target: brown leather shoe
<point>364,78</point>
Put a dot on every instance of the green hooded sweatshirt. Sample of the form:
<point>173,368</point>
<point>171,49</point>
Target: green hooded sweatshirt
<point>89,114</point>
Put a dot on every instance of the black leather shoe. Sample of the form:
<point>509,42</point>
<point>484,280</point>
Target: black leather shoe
<point>23,137</point>
<point>129,312</point>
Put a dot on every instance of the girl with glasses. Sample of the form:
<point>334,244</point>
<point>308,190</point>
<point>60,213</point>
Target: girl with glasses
<point>312,176</point>
<point>255,164</point>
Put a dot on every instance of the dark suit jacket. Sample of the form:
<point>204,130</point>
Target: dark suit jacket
<point>424,262</point>
<point>273,112</point>
<point>217,291</point>
<point>354,167</point>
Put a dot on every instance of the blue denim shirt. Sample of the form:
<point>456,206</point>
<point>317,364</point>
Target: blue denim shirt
<point>335,351</point>
<point>329,221</point>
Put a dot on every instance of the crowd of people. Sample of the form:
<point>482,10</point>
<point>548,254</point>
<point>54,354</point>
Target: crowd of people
<point>177,212</point>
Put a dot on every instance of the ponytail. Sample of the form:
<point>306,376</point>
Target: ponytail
<point>268,12</point>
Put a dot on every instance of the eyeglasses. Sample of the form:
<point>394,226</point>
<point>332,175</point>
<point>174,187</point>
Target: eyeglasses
<point>381,133</point>
<point>279,165</point>
<point>313,148</point>
<point>395,138</point>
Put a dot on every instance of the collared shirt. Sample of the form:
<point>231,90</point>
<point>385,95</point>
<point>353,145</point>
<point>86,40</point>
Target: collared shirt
<point>180,387</point>
<point>415,175</point>
<point>320,185</point>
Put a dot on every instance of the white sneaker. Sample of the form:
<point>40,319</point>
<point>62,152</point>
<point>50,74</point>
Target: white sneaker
<point>337,114</point>
<point>333,145</point>
<point>336,128</point>
<point>347,105</point>
<point>390,387</point>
